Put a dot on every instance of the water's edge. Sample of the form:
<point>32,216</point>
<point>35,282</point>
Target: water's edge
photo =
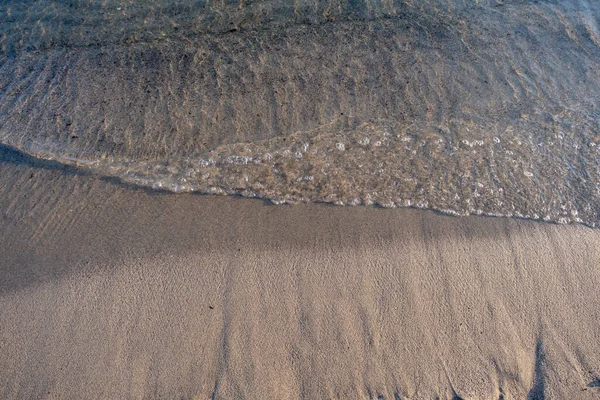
<point>12,155</point>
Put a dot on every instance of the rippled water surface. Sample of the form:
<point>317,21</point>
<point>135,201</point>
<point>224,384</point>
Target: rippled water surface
<point>468,107</point>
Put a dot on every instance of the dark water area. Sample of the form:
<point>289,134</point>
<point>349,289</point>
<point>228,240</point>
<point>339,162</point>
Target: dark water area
<point>465,107</point>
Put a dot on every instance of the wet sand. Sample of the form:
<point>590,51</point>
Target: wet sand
<point>109,291</point>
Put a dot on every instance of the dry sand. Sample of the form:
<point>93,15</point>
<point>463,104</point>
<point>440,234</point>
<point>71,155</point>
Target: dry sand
<point>111,292</point>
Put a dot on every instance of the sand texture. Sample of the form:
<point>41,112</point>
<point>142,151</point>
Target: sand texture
<point>113,292</point>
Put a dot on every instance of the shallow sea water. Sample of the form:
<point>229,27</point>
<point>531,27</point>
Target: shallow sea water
<point>466,107</point>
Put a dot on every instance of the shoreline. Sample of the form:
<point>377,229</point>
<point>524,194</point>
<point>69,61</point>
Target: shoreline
<point>14,156</point>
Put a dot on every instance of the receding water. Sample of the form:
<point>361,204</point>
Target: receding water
<point>467,107</point>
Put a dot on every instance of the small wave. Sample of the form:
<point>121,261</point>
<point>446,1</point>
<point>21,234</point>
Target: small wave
<point>488,109</point>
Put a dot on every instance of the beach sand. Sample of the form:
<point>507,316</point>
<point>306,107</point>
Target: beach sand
<point>109,291</point>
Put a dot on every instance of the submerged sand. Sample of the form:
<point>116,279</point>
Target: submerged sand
<point>467,107</point>
<point>109,291</point>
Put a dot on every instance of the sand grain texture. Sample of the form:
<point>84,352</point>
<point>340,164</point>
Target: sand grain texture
<point>113,292</point>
